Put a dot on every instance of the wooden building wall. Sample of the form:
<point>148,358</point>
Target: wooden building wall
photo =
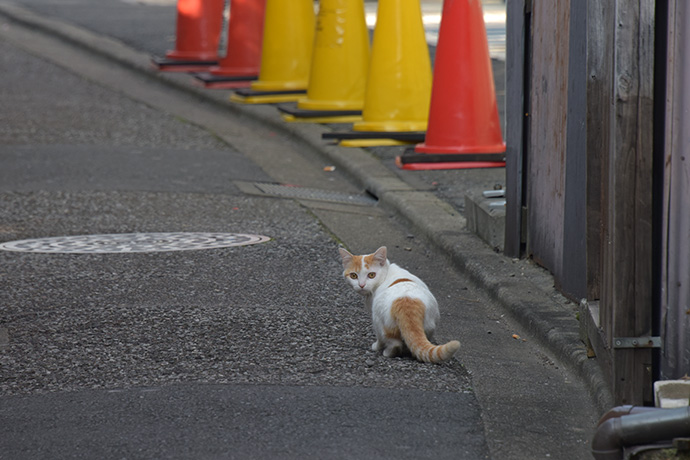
<point>548,103</point>
<point>627,277</point>
<point>586,153</point>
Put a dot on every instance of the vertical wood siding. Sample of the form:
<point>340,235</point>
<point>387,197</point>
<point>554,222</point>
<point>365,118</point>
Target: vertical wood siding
<point>547,132</point>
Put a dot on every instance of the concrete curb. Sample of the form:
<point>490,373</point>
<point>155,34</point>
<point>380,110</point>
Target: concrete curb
<point>523,290</point>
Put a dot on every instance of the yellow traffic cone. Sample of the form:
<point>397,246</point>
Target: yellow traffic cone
<point>285,55</point>
<point>399,83</point>
<point>340,62</point>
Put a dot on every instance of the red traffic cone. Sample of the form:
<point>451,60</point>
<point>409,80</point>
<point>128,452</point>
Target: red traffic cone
<point>464,130</point>
<point>199,23</point>
<point>245,34</point>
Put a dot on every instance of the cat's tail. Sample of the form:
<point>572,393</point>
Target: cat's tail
<point>409,316</point>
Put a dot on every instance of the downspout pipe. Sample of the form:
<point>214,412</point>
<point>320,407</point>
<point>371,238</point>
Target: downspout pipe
<point>640,426</point>
<point>624,410</point>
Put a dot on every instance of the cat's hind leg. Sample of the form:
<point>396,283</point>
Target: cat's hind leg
<point>394,347</point>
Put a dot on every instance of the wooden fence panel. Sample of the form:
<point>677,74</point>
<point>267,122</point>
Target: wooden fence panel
<point>618,174</point>
<point>675,298</point>
<point>573,273</point>
<point>600,39</point>
<point>627,283</point>
<point>547,132</point>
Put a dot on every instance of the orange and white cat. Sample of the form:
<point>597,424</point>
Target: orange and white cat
<point>403,310</point>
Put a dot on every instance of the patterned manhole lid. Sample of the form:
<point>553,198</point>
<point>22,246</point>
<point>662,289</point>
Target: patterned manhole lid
<point>132,242</point>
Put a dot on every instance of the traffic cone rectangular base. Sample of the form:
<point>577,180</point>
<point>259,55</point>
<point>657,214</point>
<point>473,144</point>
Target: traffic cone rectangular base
<point>407,136</point>
<point>250,96</point>
<point>410,160</point>
<point>294,114</point>
<point>209,80</point>
<point>374,143</point>
<point>344,119</point>
<point>181,65</point>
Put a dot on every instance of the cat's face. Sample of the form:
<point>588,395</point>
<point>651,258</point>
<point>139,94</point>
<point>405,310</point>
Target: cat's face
<point>365,272</point>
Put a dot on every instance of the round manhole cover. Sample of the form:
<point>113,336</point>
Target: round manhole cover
<point>133,242</point>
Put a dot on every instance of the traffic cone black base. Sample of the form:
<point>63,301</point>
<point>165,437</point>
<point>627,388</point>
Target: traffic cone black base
<point>294,114</point>
<point>252,96</point>
<point>181,65</point>
<point>407,136</point>
<point>410,160</point>
<point>211,81</point>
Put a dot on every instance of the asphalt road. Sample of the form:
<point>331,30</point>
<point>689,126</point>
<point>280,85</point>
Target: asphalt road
<point>248,352</point>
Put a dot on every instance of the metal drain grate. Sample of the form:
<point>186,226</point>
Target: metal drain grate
<point>306,193</point>
<point>132,242</point>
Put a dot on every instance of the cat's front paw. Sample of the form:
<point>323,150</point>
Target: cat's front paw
<point>376,346</point>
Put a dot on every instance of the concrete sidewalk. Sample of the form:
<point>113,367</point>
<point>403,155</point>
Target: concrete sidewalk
<point>432,202</point>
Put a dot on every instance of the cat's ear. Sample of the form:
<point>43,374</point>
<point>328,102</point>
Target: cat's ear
<point>381,255</point>
<point>347,257</point>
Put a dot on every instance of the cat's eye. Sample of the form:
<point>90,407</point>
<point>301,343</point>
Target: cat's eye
<point>371,275</point>
<point>353,276</point>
